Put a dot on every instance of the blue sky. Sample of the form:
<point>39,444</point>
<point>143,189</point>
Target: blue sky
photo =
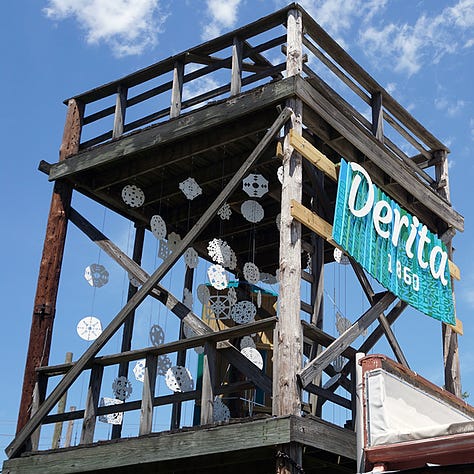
<point>421,51</point>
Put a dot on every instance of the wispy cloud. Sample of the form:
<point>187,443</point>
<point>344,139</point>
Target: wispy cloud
<point>126,26</point>
<point>223,15</point>
<point>428,39</point>
<point>451,107</point>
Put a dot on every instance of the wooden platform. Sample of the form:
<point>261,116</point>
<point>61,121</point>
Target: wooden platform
<point>249,446</point>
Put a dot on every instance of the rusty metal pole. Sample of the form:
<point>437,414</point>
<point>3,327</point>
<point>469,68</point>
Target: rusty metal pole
<point>50,267</point>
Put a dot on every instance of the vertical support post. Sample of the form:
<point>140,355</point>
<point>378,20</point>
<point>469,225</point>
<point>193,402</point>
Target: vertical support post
<point>70,426</point>
<point>181,356</point>
<point>92,403</point>
<point>452,370</point>
<point>50,267</point>
<point>208,383</point>
<point>128,324</point>
<point>177,89</point>
<point>359,419</point>
<point>236,79</point>
<point>377,115</point>
<point>39,395</point>
<point>120,109</point>
<point>58,427</point>
<point>288,333</point>
<point>148,394</point>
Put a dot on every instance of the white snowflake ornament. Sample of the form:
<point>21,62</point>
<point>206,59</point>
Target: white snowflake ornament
<point>247,341</point>
<point>252,211</point>
<point>173,241</point>
<point>220,252</point>
<point>158,227</point>
<point>251,273</point>
<point>157,335</point>
<point>133,196</point>
<point>190,188</point>
<point>203,293</point>
<point>191,258</point>
<point>280,174</point>
<point>89,328</point>
<point>341,257</point>
<point>243,312</point>
<point>122,388</point>
<point>164,251</point>
<point>111,418</point>
<point>221,411</point>
<point>217,277</point>
<point>253,355</point>
<point>232,295</point>
<point>225,212</point>
<point>220,306</point>
<point>139,370</point>
<point>179,379</point>
<point>255,185</point>
<point>96,275</point>
<point>163,364</point>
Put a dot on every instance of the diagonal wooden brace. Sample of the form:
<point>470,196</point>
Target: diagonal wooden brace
<point>18,444</point>
<point>308,373</point>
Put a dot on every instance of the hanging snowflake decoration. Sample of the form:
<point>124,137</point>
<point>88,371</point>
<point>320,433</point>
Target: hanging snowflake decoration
<point>134,281</point>
<point>164,251</point>
<point>278,222</point>
<point>133,196</point>
<point>163,364</point>
<point>158,227</point>
<point>157,335</point>
<point>189,332</point>
<point>280,174</point>
<point>225,212</point>
<point>341,257</point>
<point>220,412</point>
<point>259,299</point>
<point>190,188</point>
<point>247,341</point>
<point>232,295</point>
<point>179,379</point>
<point>342,323</point>
<point>89,328</point>
<point>220,252</point>
<point>191,258</point>
<point>253,355</point>
<point>251,273</point>
<point>173,241</point>
<point>139,370</point>
<point>243,312</point>
<point>308,262</point>
<point>188,299</point>
<point>255,185</point>
<point>217,277</point>
<point>203,293</point>
<point>338,363</point>
<point>96,275</point>
<point>122,388</point>
<point>111,418</point>
<point>220,306</point>
<point>252,211</point>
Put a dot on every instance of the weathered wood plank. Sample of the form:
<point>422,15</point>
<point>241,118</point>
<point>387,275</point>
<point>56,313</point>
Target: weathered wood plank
<point>313,155</point>
<point>148,395</point>
<point>236,79</point>
<point>307,374</point>
<point>368,145</point>
<point>177,129</point>
<point>328,395</point>
<point>120,110</point>
<point>209,383</point>
<point>177,89</point>
<point>377,115</point>
<point>92,404</point>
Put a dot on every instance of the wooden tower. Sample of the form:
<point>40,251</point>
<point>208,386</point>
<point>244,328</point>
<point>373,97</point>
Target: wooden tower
<point>266,116</point>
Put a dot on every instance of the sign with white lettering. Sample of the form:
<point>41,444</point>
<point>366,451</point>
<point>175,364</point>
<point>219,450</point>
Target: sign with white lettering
<point>391,244</point>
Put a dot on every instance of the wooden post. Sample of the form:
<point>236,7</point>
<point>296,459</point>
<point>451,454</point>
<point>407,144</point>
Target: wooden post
<point>50,267</point>
<point>452,369</point>
<point>120,109</point>
<point>377,115</point>
<point>39,395</point>
<point>181,356</point>
<point>70,426</point>
<point>208,383</point>
<point>288,339</point>
<point>149,382</point>
<point>177,89</point>
<point>236,80</point>
<point>92,404</point>
<point>58,427</point>
<point>128,324</point>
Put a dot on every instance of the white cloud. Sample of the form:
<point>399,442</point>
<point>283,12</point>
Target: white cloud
<point>223,15</point>
<point>452,108</point>
<point>410,46</point>
<point>126,26</point>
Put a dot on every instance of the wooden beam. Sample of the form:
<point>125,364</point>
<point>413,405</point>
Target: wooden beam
<point>148,395</point>
<point>177,89</point>
<point>236,80</point>
<point>92,404</point>
<point>209,383</point>
<point>328,395</point>
<point>44,310</point>
<point>377,116</point>
<point>120,109</point>
<point>313,155</point>
<point>313,367</point>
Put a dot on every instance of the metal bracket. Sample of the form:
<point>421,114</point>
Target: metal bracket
<point>43,310</point>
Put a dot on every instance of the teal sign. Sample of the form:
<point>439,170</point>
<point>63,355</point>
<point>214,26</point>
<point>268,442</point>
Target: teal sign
<point>392,245</point>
